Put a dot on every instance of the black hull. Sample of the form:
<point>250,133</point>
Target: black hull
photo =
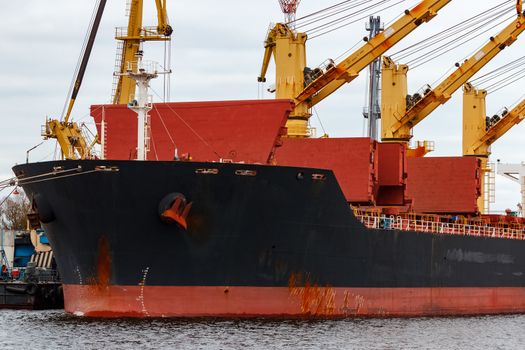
<point>248,226</point>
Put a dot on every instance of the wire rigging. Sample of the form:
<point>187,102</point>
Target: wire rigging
<point>423,59</point>
<point>451,31</point>
<point>505,82</point>
<point>498,72</point>
<point>320,11</point>
<point>378,11</point>
<point>330,14</point>
<point>79,60</point>
<point>340,15</point>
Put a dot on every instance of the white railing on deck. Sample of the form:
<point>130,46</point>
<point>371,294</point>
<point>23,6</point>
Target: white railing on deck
<point>419,225</point>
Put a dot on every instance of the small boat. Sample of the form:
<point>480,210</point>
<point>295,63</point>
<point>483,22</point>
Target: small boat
<point>29,278</point>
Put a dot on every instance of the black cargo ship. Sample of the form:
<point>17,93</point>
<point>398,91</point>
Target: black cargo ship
<point>172,238</point>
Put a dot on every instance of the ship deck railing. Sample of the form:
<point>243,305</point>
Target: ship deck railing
<point>399,223</point>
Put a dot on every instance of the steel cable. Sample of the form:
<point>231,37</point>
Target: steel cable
<point>79,61</point>
<point>356,20</point>
<point>423,59</point>
<point>498,72</point>
<point>451,31</point>
<point>329,14</point>
<point>319,12</point>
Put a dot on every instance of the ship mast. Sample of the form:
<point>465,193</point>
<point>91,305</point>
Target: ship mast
<point>142,72</point>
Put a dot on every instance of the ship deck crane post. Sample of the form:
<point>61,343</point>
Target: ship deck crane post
<point>130,40</point>
<point>480,132</point>
<point>288,49</point>
<point>398,118</point>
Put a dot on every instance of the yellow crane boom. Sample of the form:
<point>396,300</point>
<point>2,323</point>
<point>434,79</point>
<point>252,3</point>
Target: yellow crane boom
<point>480,131</point>
<point>72,142</point>
<point>288,49</point>
<point>349,68</point>
<point>399,127</point>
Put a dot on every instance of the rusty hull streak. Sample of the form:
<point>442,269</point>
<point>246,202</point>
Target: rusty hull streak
<point>103,268</point>
<point>315,300</point>
<point>319,301</point>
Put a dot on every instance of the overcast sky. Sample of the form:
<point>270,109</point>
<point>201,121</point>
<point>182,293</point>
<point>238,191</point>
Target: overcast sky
<point>216,54</point>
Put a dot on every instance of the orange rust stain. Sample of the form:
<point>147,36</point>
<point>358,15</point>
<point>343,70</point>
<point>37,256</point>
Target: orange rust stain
<point>103,263</point>
<point>315,300</point>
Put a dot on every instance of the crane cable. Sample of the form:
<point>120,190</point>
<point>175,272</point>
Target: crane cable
<point>501,77</point>
<point>498,71</point>
<point>320,12</point>
<point>446,33</point>
<point>79,61</point>
<point>356,20</point>
<point>332,13</point>
<point>423,59</point>
<point>502,83</point>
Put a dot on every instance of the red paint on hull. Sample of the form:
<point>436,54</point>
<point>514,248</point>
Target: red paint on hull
<point>316,302</point>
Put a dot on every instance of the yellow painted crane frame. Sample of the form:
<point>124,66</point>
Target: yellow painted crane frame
<point>132,36</point>
<point>480,131</point>
<point>291,63</point>
<point>397,123</point>
<point>73,143</point>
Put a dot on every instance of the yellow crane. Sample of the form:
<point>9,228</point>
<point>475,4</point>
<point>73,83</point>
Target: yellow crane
<point>73,143</point>
<point>480,131</point>
<point>68,134</point>
<point>289,51</point>
<point>130,40</point>
<point>309,87</point>
<point>399,114</point>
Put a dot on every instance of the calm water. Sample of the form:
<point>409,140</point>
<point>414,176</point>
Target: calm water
<point>54,330</point>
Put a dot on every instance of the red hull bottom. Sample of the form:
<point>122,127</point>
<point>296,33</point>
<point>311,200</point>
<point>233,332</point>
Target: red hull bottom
<point>315,302</point>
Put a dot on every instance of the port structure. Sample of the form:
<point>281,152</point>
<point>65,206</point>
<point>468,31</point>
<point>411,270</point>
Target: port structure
<point>307,87</point>
<point>516,173</point>
<point>400,114</point>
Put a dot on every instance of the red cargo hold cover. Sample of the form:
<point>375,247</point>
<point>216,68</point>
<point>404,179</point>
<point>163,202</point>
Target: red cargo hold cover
<point>391,174</point>
<point>352,160</point>
<point>444,184</point>
<point>238,130</point>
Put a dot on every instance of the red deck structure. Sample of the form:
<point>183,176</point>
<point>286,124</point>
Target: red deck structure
<point>444,184</point>
<point>240,131</point>
<point>352,160</point>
